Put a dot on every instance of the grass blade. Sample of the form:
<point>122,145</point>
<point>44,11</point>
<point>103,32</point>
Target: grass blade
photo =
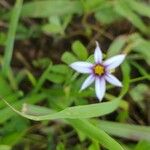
<point>132,132</point>
<point>95,133</point>
<point>11,35</point>
<point>47,8</point>
<point>76,112</point>
<point>87,128</point>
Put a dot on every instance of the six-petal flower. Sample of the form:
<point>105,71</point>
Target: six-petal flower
<point>100,71</point>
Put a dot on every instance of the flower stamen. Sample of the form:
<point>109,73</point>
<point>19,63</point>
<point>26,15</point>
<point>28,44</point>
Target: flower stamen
<point>99,70</point>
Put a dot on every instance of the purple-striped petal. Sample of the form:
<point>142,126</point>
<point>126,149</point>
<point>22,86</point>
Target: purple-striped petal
<point>89,80</point>
<point>100,87</point>
<point>113,80</point>
<point>98,54</point>
<point>82,67</point>
<point>114,62</point>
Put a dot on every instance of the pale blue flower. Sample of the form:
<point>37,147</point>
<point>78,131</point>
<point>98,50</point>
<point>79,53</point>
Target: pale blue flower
<point>100,71</point>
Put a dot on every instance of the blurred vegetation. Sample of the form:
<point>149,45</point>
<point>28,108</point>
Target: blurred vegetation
<point>38,40</point>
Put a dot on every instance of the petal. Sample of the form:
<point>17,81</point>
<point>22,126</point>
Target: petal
<point>98,54</point>
<point>100,87</point>
<point>87,82</point>
<point>113,80</point>
<point>82,67</point>
<point>114,62</point>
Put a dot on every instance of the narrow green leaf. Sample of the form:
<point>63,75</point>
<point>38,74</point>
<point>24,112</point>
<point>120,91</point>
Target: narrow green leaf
<point>83,111</point>
<point>12,97</point>
<point>138,92</point>
<point>95,133</point>
<point>141,70</point>
<point>124,10</point>
<point>140,7</point>
<point>143,49</point>
<point>35,110</point>
<point>140,45</point>
<point>11,35</point>
<point>6,91</point>
<point>84,126</point>
<point>42,78</point>
<point>116,46</point>
<point>128,131</point>
<point>47,8</point>
<point>7,113</point>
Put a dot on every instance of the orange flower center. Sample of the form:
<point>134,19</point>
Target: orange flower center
<point>99,70</point>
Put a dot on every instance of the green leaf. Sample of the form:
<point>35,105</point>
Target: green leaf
<point>95,133</point>
<point>56,25</point>
<point>143,48</point>
<point>52,28</point>
<point>35,109</point>
<point>6,91</point>
<point>68,58</point>
<point>143,145</point>
<point>5,147</point>
<point>4,87</point>
<point>128,131</point>
<point>11,36</point>
<point>42,62</point>
<point>6,112</point>
<point>116,46</point>
<point>60,146</point>
<point>92,6</point>
<point>124,10</point>
<point>47,8</point>
<point>56,78</point>
<point>141,70</point>
<point>12,138</point>
<point>94,146</point>
<point>80,50</point>
<point>84,111</point>
<point>91,58</point>
<point>42,79</point>
<point>83,126</point>
<point>140,7</point>
<point>138,92</point>
<point>140,45</point>
<point>106,13</point>
<point>61,69</point>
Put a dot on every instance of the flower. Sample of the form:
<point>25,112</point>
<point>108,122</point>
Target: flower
<point>100,71</point>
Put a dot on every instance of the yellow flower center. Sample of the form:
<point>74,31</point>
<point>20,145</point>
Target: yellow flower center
<point>99,70</point>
